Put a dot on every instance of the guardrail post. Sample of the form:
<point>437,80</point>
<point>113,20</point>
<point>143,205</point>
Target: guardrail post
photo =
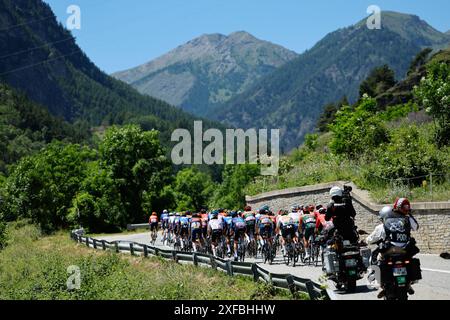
<point>117,246</point>
<point>270,279</point>
<point>194,258</point>
<point>174,256</point>
<point>103,245</point>
<point>87,241</point>
<point>255,272</point>
<point>229,268</point>
<point>95,243</point>
<point>132,249</point>
<point>145,250</point>
<point>213,262</point>
<point>80,238</point>
<point>310,288</point>
<point>291,284</point>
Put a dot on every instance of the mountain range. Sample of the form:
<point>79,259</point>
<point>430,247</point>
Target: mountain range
<point>40,58</point>
<point>293,96</point>
<point>237,79</point>
<point>207,71</point>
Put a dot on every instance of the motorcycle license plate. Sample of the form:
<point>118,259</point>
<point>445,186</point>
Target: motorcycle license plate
<point>401,280</point>
<point>350,263</point>
<point>351,272</point>
<point>400,272</point>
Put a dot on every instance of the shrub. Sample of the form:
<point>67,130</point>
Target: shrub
<point>42,187</point>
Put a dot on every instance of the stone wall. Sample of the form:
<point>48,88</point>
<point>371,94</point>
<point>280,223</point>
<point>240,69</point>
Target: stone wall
<point>433,235</point>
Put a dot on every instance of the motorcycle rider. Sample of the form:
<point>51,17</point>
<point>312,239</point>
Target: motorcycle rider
<point>341,211</point>
<point>394,231</point>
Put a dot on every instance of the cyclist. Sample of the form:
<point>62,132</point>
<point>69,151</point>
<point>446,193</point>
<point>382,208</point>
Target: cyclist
<point>165,224</point>
<point>237,228</point>
<point>250,220</point>
<point>195,231</point>
<point>295,215</point>
<point>205,218</point>
<point>215,230</point>
<point>285,227</point>
<point>183,227</point>
<point>227,227</point>
<point>265,227</point>
<point>153,222</point>
<point>308,226</point>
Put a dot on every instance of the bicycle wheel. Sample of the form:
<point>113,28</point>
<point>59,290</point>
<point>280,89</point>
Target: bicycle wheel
<point>317,254</point>
<point>301,251</point>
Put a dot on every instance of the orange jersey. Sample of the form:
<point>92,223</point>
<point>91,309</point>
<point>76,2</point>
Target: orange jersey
<point>153,219</point>
<point>204,220</point>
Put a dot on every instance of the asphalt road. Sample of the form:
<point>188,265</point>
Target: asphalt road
<point>435,284</point>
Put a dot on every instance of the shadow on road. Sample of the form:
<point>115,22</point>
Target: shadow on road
<point>359,289</point>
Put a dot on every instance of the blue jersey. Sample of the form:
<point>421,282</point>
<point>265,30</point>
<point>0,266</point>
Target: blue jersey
<point>184,221</point>
<point>164,217</point>
<point>238,223</point>
<point>227,221</point>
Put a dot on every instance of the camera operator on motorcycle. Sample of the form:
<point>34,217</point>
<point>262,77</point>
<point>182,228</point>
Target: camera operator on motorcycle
<point>341,211</point>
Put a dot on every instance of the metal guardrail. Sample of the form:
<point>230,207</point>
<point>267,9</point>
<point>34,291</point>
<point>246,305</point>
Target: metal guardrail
<point>285,281</point>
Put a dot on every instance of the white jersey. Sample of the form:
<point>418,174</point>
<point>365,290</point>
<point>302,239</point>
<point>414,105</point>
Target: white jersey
<point>216,224</point>
<point>295,216</point>
<point>172,219</point>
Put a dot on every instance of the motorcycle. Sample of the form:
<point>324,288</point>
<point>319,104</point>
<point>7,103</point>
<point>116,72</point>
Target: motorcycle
<point>344,263</point>
<point>398,273</point>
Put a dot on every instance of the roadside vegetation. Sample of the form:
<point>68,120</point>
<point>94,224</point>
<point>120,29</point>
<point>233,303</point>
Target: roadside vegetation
<point>390,150</point>
<point>34,266</point>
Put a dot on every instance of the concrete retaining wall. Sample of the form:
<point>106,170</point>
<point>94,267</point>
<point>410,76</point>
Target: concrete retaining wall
<point>433,235</point>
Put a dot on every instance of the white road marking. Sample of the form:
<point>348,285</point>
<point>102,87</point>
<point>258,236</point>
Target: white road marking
<point>435,270</point>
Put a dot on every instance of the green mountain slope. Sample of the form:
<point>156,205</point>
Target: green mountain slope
<point>208,70</point>
<point>26,127</point>
<point>292,97</point>
<point>41,58</point>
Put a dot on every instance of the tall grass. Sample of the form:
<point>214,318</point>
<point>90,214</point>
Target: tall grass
<point>35,267</point>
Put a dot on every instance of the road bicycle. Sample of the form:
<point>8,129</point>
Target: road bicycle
<point>154,236</point>
<point>241,248</point>
<point>291,254</point>
<point>268,251</point>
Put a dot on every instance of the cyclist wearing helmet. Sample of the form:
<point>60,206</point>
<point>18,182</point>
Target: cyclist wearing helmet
<point>183,227</point>
<point>250,221</point>
<point>204,218</point>
<point>238,228</point>
<point>285,227</point>
<point>308,226</point>
<point>165,220</point>
<point>227,226</point>
<point>215,230</point>
<point>265,226</point>
<point>153,222</point>
<point>321,223</point>
<point>195,231</point>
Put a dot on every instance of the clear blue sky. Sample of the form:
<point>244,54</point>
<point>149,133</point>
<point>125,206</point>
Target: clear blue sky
<point>119,34</point>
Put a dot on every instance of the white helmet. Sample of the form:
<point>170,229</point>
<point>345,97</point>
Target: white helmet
<point>336,192</point>
<point>165,211</point>
<point>385,212</point>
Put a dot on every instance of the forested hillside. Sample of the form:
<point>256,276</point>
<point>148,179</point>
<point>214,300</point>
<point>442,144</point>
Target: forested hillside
<point>293,97</point>
<point>396,143</point>
<point>26,127</point>
<point>41,58</point>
